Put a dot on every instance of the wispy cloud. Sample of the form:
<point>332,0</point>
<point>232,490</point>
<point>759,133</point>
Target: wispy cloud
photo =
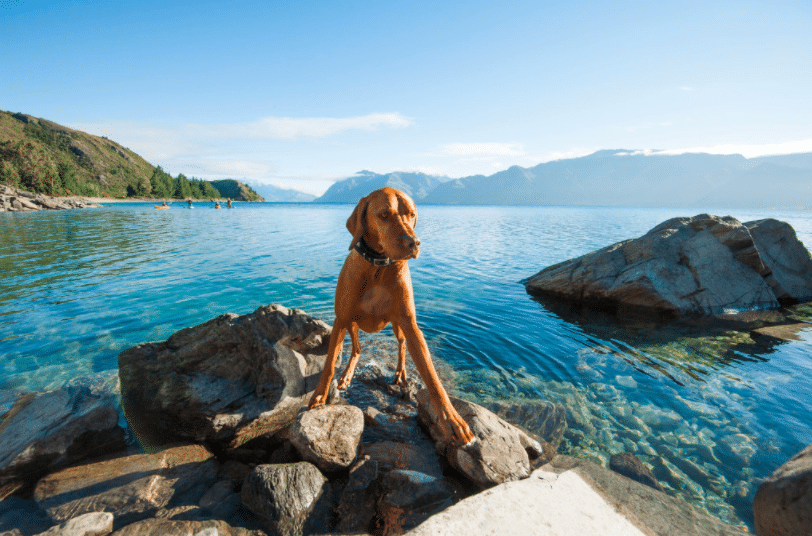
<point>291,128</point>
<point>687,88</point>
<point>482,149</point>
<point>746,150</point>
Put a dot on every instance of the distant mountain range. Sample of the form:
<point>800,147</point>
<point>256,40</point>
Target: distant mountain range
<point>279,195</point>
<point>611,178</point>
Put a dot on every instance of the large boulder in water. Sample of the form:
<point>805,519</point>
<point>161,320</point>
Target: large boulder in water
<point>685,266</point>
<point>220,382</point>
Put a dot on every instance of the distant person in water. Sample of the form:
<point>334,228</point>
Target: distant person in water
<point>229,203</point>
<point>190,202</point>
<point>163,204</point>
<point>216,204</point>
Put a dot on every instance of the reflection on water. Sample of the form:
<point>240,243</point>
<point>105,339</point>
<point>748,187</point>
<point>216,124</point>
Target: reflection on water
<point>707,408</point>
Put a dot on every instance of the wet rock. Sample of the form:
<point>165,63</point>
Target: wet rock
<point>500,452</point>
<point>630,466</point>
<point>358,503</point>
<point>172,527</point>
<point>784,333</point>
<point>545,420</point>
<point>45,431</point>
<point>227,381</point>
<point>783,503</point>
<point>328,436</point>
<point>411,497</point>
<point>290,498</point>
<point>132,487</point>
<point>700,265</point>
<point>92,524</point>
<point>420,456</point>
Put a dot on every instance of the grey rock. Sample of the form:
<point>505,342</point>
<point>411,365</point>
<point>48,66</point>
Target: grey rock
<point>700,265</point>
<point>328,436</point>
<point>90,524</point>
<point>357,505</point>
<point>290,498</point>
<point>545,420</point>
<point>173,527</point>
<point>783,502</point>
<point>781,333</point>
<point>226,381</point>
<point>786,258</point>
<point>630,466</point>
<point>45,431</point>
<point>500,452</point>
<point>221,501</point>
<point>131,487</point>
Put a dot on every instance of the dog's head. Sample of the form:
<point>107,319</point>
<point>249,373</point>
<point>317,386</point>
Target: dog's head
<point>385,219</point>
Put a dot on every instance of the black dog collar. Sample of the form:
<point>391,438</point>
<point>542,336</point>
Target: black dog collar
<point>370,255</point>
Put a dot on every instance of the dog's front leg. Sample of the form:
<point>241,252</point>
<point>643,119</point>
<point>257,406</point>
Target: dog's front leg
<point>454,427</point>
<point>319,397</point>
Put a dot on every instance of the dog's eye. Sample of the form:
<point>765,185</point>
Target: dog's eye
<point>384,215</point>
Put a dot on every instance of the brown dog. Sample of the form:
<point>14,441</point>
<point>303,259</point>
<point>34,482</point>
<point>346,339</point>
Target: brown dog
<point>375,288</point>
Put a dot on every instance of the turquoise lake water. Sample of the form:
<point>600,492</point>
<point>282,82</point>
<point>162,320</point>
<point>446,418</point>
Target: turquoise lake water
<point>708,410</point>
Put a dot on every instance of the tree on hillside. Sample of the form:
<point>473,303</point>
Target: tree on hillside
<point>34,169</point>
<point>161,183</point>
<point>183,188</point>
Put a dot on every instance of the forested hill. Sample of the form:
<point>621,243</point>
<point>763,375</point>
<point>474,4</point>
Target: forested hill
<point>42,156</point>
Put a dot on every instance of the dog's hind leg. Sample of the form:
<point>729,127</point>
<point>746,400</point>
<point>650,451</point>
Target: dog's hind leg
<point>349,371</point>
<point>400,372</point>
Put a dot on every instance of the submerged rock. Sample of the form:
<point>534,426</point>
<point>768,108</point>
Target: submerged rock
<point>630,466</point>
<point>783,503</point>
<point>232,376</point>
<point>700,265</point>
<point>45,431</point>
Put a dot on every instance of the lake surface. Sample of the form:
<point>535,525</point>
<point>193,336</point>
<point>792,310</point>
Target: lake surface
<point>710,411</point>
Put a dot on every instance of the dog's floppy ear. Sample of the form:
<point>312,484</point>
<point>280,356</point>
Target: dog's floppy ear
<point>357,222</point>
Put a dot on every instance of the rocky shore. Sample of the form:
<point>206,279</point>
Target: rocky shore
<point>218,441</point>
<point>16,200</point>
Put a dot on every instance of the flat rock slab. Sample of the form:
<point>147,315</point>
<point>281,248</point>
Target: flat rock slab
<point>500,451</point>
<point>130,487</point>
<point>689,266</point>
<point>328,436</point>
<point>572,497</point>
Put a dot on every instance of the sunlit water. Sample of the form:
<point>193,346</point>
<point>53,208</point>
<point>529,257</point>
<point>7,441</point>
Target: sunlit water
<point>710,412</point>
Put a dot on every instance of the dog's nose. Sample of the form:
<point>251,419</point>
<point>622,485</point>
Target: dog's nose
<point>412,242</point>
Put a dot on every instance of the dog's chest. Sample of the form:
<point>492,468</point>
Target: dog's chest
<point>376,301</point>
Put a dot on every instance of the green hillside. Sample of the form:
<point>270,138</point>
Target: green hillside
<point>41,156</point>
<point>234,189</point>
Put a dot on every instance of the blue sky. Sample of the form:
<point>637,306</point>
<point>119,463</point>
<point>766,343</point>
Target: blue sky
<point>299,94</point>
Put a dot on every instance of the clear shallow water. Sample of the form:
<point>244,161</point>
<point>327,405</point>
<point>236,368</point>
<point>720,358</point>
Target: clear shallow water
<point>707,409</point>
